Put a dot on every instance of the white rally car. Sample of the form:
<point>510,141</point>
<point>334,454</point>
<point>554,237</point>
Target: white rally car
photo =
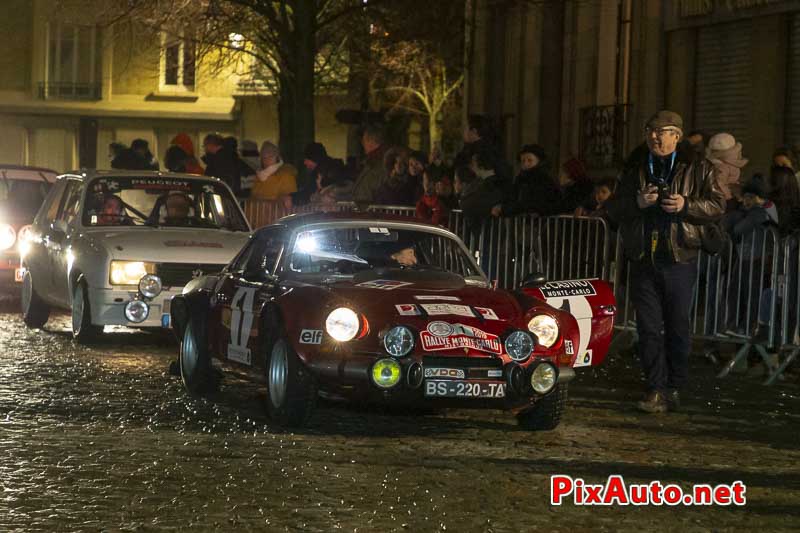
<point>114,247</point>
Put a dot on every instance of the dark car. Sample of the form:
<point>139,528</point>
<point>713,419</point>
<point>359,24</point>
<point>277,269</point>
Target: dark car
<point>388,310</point>
<point>22,191</point>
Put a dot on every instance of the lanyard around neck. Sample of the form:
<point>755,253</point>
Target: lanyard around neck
<point>650,165</point>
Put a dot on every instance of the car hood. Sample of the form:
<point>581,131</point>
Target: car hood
<point>173,245</point>
<point>419,300</point>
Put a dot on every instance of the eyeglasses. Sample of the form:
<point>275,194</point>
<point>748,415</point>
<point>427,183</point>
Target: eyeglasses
<point>661,132</point>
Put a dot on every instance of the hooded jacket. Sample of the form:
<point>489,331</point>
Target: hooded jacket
<point>184,142</point>
<point>693,178</point>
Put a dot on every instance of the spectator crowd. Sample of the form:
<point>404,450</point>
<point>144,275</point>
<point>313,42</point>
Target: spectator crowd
<point>478,180</point>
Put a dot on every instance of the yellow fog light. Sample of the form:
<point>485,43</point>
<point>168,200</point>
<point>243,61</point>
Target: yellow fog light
<point>386,373</point>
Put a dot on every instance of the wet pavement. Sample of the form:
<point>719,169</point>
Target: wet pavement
<point>103,439</point>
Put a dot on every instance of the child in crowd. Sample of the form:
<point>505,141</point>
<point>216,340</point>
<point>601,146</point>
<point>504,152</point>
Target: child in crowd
<point>603,191</point>
<point>430,207</point>
<point>745,226</point>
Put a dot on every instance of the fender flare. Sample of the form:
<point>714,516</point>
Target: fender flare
<point>191,306</point>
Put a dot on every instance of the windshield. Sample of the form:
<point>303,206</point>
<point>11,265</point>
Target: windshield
<point>21,199</point>
<point>355,249</point>
<point>161,201</point>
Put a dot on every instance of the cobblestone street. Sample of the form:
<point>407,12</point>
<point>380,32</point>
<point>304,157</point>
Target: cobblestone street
<point>105,439</point>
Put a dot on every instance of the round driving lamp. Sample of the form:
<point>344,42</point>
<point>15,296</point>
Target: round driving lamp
<point>545,328</point>
<point>150,286</point>
<point>136,311</point>
<point>399,341</point>
<point>543,378</point>
<point>519,345</point>
<point>342,324</point>
<point>386,373</point>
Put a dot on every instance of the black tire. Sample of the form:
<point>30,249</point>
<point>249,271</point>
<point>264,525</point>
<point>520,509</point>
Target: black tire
<point>545,413</point>
<point>291,388</point>
<point>35,311</point>
<point>83,330</point>
<point>197,373</point>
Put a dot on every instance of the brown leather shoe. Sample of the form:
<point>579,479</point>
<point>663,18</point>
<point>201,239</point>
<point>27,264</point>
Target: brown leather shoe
<point>673,400</point>
<point>654,402</point>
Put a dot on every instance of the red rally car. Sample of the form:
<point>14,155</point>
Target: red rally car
<point>387,309</point>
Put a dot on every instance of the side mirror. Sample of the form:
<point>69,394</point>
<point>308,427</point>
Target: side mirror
<point>258,275</point>
<point>533,280</point>
<point>59,226</point>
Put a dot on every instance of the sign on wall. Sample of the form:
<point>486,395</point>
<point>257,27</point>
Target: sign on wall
<point>686,13</point>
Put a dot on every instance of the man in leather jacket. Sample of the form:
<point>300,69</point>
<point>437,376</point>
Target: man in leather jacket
<point>665,202</point>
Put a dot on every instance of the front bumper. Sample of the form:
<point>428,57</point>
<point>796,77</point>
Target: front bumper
<point>352,373</point>
<point>108,307</point>
<point>10,271</point>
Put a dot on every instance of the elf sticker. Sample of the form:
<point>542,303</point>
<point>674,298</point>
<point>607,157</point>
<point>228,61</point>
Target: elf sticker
<point>569,349</point>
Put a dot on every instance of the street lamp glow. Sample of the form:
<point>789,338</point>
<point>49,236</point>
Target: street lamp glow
<point>236,40</point>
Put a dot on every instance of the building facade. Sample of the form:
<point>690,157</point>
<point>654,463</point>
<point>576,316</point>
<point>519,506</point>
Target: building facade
<point>69,88</point>
<point>581,77</point>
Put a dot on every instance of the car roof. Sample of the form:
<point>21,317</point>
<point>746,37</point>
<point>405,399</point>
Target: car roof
<point>293,222</point>
<point>303,219</point>
<point>92,173</point>
<point>21,172</point>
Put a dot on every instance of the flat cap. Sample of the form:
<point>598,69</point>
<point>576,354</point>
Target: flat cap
<point>664,119</point>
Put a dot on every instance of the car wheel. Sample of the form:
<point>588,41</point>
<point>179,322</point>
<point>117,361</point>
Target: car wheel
<point>83,330</point>
<point>35,311</point>
<point>545,413</point>
<point>291,388</point>
<point>196,371</point>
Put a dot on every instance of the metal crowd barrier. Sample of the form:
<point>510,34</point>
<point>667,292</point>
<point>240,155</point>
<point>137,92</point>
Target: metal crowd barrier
<point>754,278</point>
<point>739,298</point>
<point>788,305</point>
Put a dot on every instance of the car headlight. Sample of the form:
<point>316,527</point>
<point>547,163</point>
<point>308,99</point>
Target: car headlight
<point>543,378</point>
<point>386,373</point>
<point>342,324</point>
<point>545,328</point>
<point>150,285</point>
<point>7,236</point>
<point>519,345</point>
<point>399,341</point>
<point>24,240</point>
<point>129,272</point>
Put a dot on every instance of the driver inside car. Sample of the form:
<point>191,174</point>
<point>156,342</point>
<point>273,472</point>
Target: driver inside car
<point>178,207</point>
<point>405,256</point>
<point>113,212</point>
